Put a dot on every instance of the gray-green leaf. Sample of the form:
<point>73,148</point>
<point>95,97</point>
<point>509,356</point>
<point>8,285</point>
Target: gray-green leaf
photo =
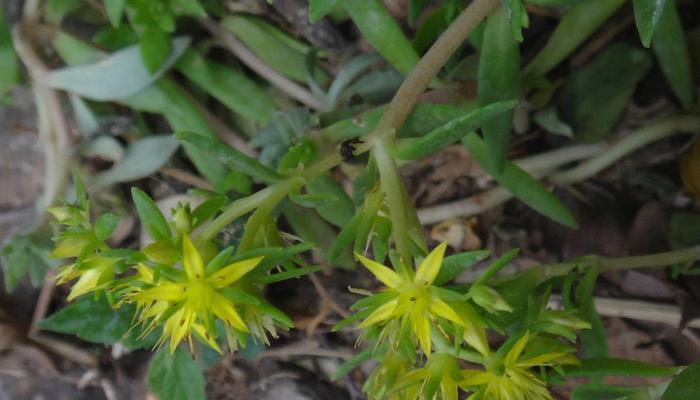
<point>93,320</point>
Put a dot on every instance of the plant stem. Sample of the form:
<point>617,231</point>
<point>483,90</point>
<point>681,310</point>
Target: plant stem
<point>247,204</point>
<point>430,64</point>
<point>390,181</point>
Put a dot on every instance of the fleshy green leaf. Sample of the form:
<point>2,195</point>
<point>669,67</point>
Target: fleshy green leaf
<point>115,10</point>
<point>319,8</point>
<point>522,185</point>
<point>516,13</point>
<point>143,158</point>
<point>340,210</point>
<point>646,15</point>
<point>155,47</point>
<point>594,341</point>
<point>105,224</point>
<point>594,97</point>
<point>453,131</point>
<point>455,264</point>
<point>229,156</point>
<point>175,376</point>
<point>383,33</point>
<point>93,320</point>
<point>151,217</point>
<point>499,79</point>
<point>579,22</point>
<point>685,385</point>
<point>671,49</point>
<point>228,85</point>
<point>114,77</point>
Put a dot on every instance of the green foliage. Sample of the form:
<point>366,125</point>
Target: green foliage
<point>319,8</point>
<point>685,385</point>
<point>593,367</point>
<point>92,319</point>
<point>176,376</point>
<point>149,214</point>
<point>647,14</point>
<point>9,64</point>
<point>24,254</point>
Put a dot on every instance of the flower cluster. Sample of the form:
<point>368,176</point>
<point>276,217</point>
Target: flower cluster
<point>431,341</point>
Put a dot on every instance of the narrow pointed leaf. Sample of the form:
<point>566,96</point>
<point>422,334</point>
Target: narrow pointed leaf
<point>150,216</point>
<point>646,15</point>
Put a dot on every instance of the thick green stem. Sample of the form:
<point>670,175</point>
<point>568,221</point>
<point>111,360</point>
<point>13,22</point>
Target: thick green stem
<point>392,187</point>
<point>430,64</point>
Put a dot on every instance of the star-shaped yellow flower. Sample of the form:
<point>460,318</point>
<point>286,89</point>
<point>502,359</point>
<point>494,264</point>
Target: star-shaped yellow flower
<point>192,303</point>
<point>412,299</point>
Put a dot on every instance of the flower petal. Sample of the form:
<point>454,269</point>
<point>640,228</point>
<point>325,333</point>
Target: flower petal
<point>442,309</point>
<point>233,272</point>
<point>386,275</point>
<point>421,326</point>
<point>515,352</point>
<point>208,339</point>
<point>382,313</point>
<point>430,267</point>
<point>224,310</point>
<point>194,267</point>
<point>164,292</point>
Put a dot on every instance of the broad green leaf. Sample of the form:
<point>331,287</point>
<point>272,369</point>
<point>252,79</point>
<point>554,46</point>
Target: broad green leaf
<point>646,15</point>
<point>517,15</point>
<point>91,319</point>
<point>671,49</point>
<point>114,77</point>
<point>150,216</point>
<point>594,341</point>
<point>579,22</point>
<point>105,224</point>
<point>274,47</point>
<point>9,64</point>
<point>499,79</point>
<point>143,158</point>
<point>455,264</point>
<point>522,185</point>
<point>339,211</point>
<point>228,85</point>
<point>229,156</point>
<point>595,367</point>
<point>175,376</point>
<point>319,8</point>
<point>610,392</point>
<point>24,254</point>
<point>383,33</point>
<point>684,230</point>
<point>453,131</point>
<point>155,47</point>
<point>685,385</point>
<point>594,97</point>
<point>115,10</point>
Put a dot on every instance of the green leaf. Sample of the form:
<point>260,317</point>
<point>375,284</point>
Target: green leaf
<point>496,266</point>
<point>455,264</point>
<point>228,85</point>
<point>522,185</point>
<point>23,254</point>
<point>143,158</point>
<point>56,10</point>
<point>273,46</point>
<point>579,22</point>
<point>609,392</point>
<point>646,15</point>
<point>685,385</point>
<point>114,77</point>
<point>671,49</point>
<point>340,210</point>
<point>105,224</point>
<point>499,79</point>
<point>452,131</point>
<point>229,156</point>
<point>595,340</point>
<point>515,11</point>
<point>594,97</point>
<point>285,275</point>
<point>319,8</point>
<point>191,8</point>
<point>115,10</point>
<point>9,64</point>
<point>595,367</point>
<point>345,237</point>
<point>155,47</point>
<point>150,216</point>
<point>93,320</point>
<point>383,33</point>
<point>685,230</point>
<point>175,376</point>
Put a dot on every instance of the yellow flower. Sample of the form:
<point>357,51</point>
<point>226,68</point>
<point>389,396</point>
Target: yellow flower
<point>511,378</point>
<point>438,378</point>
<point>192,303</point>
<point>92,273</point>
<point>410,298</point>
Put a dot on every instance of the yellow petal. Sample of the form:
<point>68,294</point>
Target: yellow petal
<point>386,275</point>
<point>443,310</point>
<point>88,282</point>
<point>194,267</point>
<point>233,272</point>
<point>223,309</point>
<point>204,334</point>
<point>382,313</point>
<point>430,267</point>
<point>145,272</point>
<point>542,359</point>
<point>472,377</point>
<point>178,326</point>
<point>516,351</point>
<point>421,326</point>
<point>164,291</point>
